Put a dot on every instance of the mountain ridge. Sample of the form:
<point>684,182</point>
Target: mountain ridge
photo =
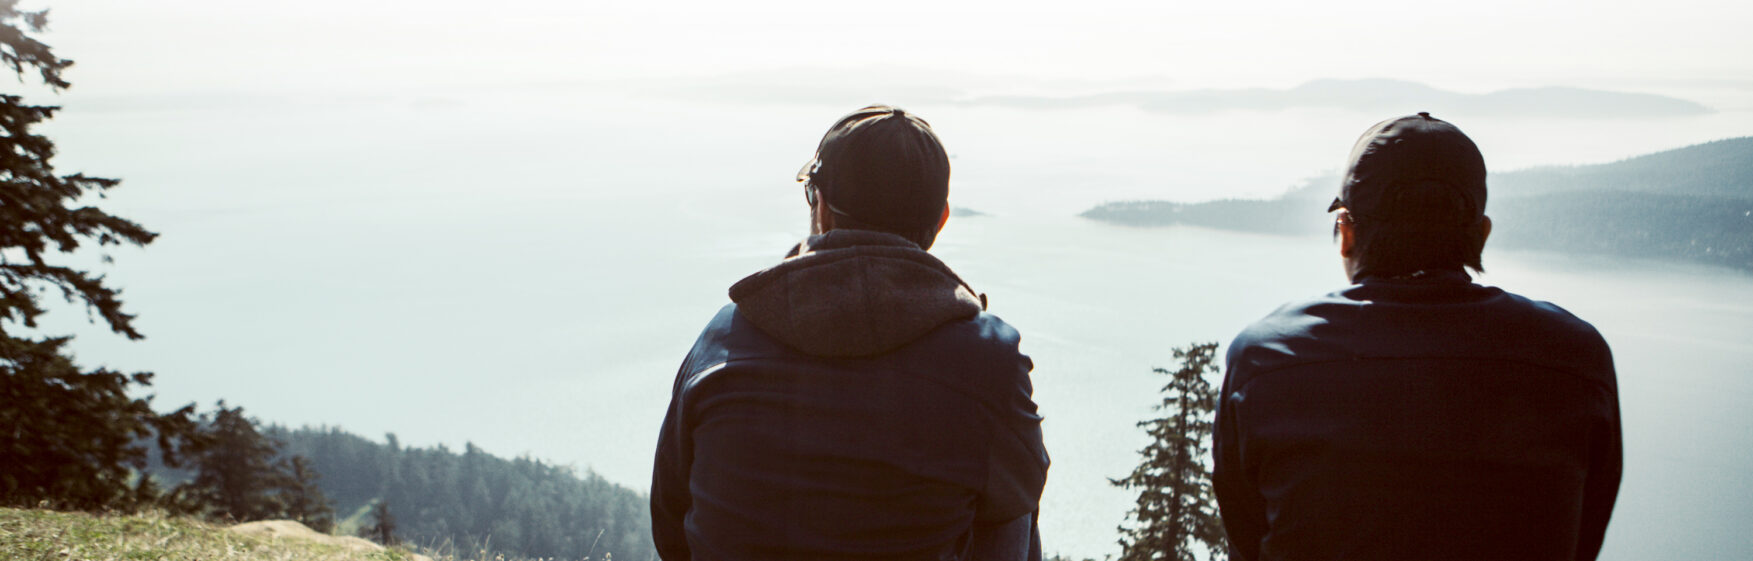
<point>1371,94</point>
<point>1693,203</point>
<point>916,87</point>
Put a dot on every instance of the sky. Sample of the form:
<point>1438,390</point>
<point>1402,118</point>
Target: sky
<point>272,67</point>
<point>187,46</point>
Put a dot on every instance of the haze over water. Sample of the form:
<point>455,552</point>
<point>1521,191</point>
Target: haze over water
<point>523,266</point>
<point>529,280</point>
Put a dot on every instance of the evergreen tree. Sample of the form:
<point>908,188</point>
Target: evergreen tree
<point>383,525</point>
<point>236,475</point>
<point>303,500</point>
<point>1176,510</point>
<point>71,437</point>
<point>146,492</point>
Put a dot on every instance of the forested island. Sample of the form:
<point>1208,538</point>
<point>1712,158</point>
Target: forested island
<point>1690,204</point>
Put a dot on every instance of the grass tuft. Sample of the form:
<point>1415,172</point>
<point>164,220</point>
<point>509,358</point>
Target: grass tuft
<point>44,535</point>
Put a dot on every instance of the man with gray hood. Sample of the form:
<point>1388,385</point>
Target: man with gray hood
<point>855,401</point>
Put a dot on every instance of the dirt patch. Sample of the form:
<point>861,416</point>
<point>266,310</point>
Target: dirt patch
<point>287,529</point>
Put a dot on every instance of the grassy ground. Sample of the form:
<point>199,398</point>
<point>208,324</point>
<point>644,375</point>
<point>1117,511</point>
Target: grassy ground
<point>41,535</point>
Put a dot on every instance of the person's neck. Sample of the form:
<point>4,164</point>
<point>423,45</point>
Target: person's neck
<point>1428,273</point>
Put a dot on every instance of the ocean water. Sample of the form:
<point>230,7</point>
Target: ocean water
<point>525,270</point>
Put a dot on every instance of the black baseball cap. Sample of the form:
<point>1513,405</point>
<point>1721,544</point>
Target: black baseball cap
<point>1415,172</point>
<point>883,167</point>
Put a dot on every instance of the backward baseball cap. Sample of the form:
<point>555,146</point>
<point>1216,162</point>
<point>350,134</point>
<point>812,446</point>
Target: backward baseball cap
<point>1414,173</point>
<point>883,168</point>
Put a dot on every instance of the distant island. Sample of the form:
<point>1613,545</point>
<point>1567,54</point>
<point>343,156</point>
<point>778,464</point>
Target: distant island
<point>832,85</point>
<point>1690,204</point>
<point>1370,95</point>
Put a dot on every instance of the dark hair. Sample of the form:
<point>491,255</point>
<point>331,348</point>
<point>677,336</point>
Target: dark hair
<point>922,237</point>
<point>1384,250</point>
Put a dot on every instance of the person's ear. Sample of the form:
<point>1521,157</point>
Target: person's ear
<point>945,219</point>
<point>1347,234</point>
<point>821,219</point>
<point>1487,234</point>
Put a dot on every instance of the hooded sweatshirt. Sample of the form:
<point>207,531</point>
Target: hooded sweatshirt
<point>853,402</point>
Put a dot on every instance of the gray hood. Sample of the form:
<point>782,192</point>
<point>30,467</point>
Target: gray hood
<point>849,293</point>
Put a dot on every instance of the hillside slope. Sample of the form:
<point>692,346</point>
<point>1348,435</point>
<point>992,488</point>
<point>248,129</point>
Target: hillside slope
<point>471,500</point>
<point>1721,168</point>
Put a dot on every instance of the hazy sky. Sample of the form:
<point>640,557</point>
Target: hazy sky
<point>1675,47</point>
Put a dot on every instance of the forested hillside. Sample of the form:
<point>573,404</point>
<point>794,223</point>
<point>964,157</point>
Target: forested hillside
<point>1691,204</point>
<point>1722,168</point>
<point>1696,228</point>
<point>473,500</point>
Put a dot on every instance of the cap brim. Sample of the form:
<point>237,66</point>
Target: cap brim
<point>1337,204</point>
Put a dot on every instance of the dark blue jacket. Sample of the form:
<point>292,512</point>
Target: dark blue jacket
<point>855,402</point>
<point>1418,419</point>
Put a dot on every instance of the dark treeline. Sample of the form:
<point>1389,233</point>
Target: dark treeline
<point>1703,229</point>
<point>1297,212</point>
<point>1278,216</point>
<point>472,500</point>
<point>1691,204</point>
